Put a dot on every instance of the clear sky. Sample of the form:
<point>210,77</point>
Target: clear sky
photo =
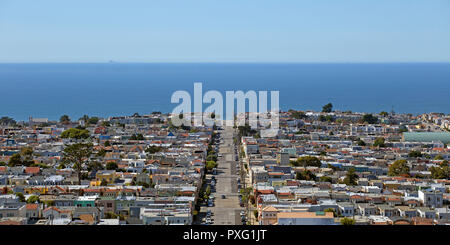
<point>225,31</point>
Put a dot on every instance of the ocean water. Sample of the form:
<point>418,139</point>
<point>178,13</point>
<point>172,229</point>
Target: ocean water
<point>112,89</point>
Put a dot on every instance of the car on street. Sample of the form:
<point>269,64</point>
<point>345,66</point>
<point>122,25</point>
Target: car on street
<point>223,197</point>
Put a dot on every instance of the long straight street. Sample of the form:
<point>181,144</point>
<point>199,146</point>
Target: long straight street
<point>226,210</point>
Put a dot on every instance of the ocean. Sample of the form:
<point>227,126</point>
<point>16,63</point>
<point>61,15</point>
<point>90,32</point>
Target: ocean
<point>114,89</point>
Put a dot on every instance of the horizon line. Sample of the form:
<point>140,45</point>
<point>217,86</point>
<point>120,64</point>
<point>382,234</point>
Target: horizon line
<point>226,62</point>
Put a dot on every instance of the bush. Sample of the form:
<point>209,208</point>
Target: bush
<point>347,221</point>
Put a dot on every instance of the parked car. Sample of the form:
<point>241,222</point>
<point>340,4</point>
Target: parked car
<point>223,197</point>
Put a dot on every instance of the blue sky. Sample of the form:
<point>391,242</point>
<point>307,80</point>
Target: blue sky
<point>225,31</point>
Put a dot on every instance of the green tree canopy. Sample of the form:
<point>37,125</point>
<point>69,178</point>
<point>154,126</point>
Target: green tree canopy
<point>415,154</point>
<point>93,120</point>
<point>305,175</point>
<point>6,121</point>
<point>77,155</point>
<point>347,221</point>
<point>327,108</point>
<point>210,165</point>
<point>298,114</point>
<point>64,119</point>
<point>153,149</point>
<point>20,196</point>
<point>361,143</point>
<point>101,153</point>
<point>440,172</point>
<point>379,142</point>
<point>439,157</point>
<point>370,119</point>
<point>15,160</point>
<point>74,133</point>
<point>306,161</point>
<point>326,179</point>
<point>399,167</point>
<point>137,137</point>
<point>112,166</point>
<point>95,166</point>
<point>33,199</point>
<point>351,177</point>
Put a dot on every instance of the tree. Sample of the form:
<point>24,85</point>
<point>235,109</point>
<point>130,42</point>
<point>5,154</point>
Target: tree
<point>305,175</point>
<point>20,196</point>
<point>107,143</point>
<point>75,133</point>
<point>439,157</point>
<point>15,160</point>
<point>210,165</point>
<point>370,119</point>
<point>415,154</point>
<point>351,177</point>
<point>77,154</point>
<point>246,130</point>
<point>328,210</point>
<point>101,153</point>
<point>379,142</point>
<point>137,137</point>
<point>440,172</point>
<point>327,108</point>
<point>399,167</point>
<point>326,179</point>
<point>112,166</point>
<point>93,120</point>
<point>308,161</point>
<point>298,114</point>
<point>153,149</point>
<point>33,199</point>
<point>211,158</point>
<point>7,121</point>
<point>64,119</point>
<point>95,166</point>
<point>361,143</point>
<point>384,114</point>
<point>347,221</point>
<point>208,190</point>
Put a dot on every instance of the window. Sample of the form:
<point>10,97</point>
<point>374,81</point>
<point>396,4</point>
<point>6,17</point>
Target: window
<point>109,205</point>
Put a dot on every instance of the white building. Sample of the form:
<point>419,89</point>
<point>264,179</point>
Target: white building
<point>432,199</point>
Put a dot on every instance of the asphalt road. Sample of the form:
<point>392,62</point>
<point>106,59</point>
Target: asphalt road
<point>226,211</point>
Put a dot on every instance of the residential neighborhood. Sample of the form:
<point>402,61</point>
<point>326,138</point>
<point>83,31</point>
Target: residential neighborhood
<point>321,168</point>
